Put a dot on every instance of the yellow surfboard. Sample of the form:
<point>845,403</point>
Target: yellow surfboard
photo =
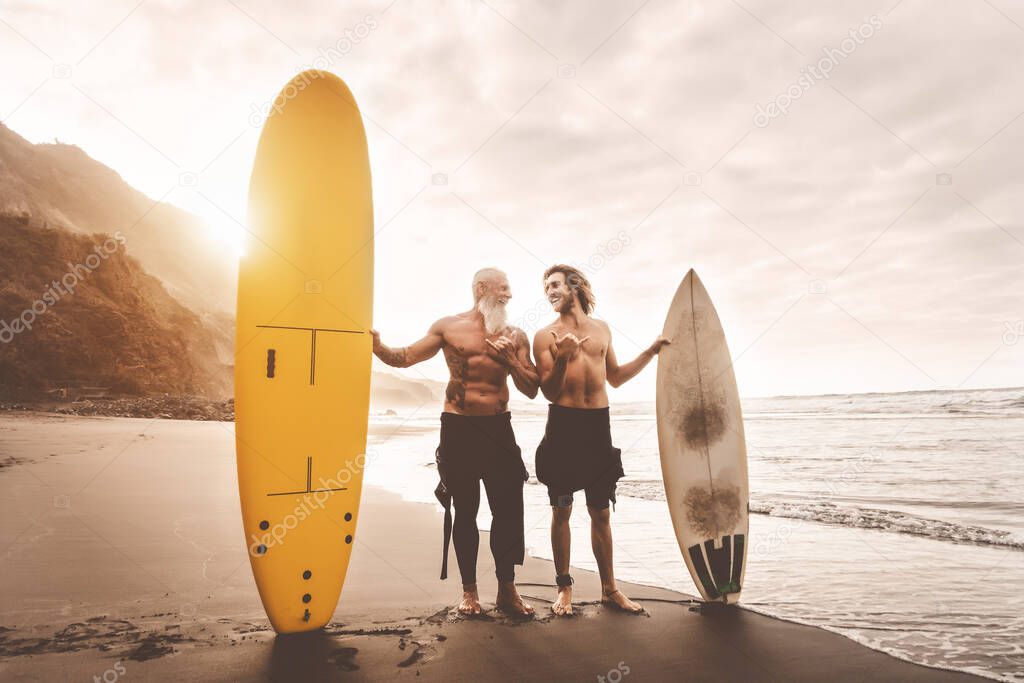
<point>302,349</point>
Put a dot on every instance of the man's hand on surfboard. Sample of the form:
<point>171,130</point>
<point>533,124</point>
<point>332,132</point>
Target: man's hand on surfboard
<point>376,340</point>
<point>658,343</point>
<point>567,346</point>
<point>505,348</point>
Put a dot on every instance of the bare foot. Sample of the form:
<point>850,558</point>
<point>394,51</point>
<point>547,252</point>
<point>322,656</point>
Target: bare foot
<point>563,603</point>
<point>470,605</point>
<point>511,602</point>
<point>618,600</point>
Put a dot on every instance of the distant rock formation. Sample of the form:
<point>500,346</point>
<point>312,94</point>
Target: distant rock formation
<point>78,316</point>
<point>389,390</point>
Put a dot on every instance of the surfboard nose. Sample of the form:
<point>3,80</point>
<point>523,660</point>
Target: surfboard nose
<point>320,78</point>
<point>314,90</point>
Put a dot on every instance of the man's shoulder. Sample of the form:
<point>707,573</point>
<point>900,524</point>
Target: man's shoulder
<point>600,331</point>
<point>445,323</point>
<point>455,318</point>
<point>546,330</point>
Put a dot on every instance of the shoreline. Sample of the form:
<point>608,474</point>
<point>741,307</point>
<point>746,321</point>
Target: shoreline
<point>691,599</point>
<point>157,580</point>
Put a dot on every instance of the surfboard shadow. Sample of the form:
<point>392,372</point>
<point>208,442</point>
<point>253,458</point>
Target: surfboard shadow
<point>311,656</point>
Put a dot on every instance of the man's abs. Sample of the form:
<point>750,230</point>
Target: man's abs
<point>477,384</point>
<point>584,385</point>
<point>475,398</point>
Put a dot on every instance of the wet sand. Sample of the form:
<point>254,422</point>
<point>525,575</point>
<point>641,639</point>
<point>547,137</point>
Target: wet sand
<point>122,555</point>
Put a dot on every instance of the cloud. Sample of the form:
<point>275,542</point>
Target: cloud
<point>652,127</point>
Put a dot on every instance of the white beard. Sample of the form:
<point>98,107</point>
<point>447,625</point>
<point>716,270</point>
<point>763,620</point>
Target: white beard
<point>495,315</point>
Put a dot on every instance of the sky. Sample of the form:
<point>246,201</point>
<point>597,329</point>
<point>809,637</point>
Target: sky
<point>844,176</point>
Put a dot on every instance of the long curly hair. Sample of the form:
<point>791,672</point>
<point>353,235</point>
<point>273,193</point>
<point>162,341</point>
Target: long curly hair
<point>577,282</point>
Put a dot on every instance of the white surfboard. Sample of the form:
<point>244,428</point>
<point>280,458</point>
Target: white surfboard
<point>703,450</point>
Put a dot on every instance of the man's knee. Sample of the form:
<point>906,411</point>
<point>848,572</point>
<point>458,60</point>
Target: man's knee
<point>561,514</point>
<point>467,525</point>
<point>600,516</point>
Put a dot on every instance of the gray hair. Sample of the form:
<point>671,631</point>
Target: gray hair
<point>483,275</point>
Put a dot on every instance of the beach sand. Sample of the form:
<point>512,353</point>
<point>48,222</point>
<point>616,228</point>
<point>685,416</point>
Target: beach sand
<point>122,556</point>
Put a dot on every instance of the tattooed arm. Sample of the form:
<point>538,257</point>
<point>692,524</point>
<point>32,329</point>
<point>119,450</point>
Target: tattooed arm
<point>417,352</point>
<point>525,375</point>
<point>514,354</point>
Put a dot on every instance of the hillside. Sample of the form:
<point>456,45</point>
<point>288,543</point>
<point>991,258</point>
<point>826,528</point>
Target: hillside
<point>60,184</point>
<point>111,328</point>
<point>155,317</point>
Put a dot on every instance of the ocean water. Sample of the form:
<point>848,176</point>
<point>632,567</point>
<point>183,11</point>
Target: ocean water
<point>896,520</point>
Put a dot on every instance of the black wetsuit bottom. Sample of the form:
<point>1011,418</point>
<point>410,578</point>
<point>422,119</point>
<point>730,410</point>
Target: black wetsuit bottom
<point>475,448</point>
<point>576,454</point>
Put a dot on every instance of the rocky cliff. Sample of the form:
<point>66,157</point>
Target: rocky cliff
<point>78,315</point>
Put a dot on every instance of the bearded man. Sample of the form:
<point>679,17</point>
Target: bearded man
<point>477,443</point>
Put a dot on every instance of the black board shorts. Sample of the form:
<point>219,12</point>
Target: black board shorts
<point>576,454</point>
